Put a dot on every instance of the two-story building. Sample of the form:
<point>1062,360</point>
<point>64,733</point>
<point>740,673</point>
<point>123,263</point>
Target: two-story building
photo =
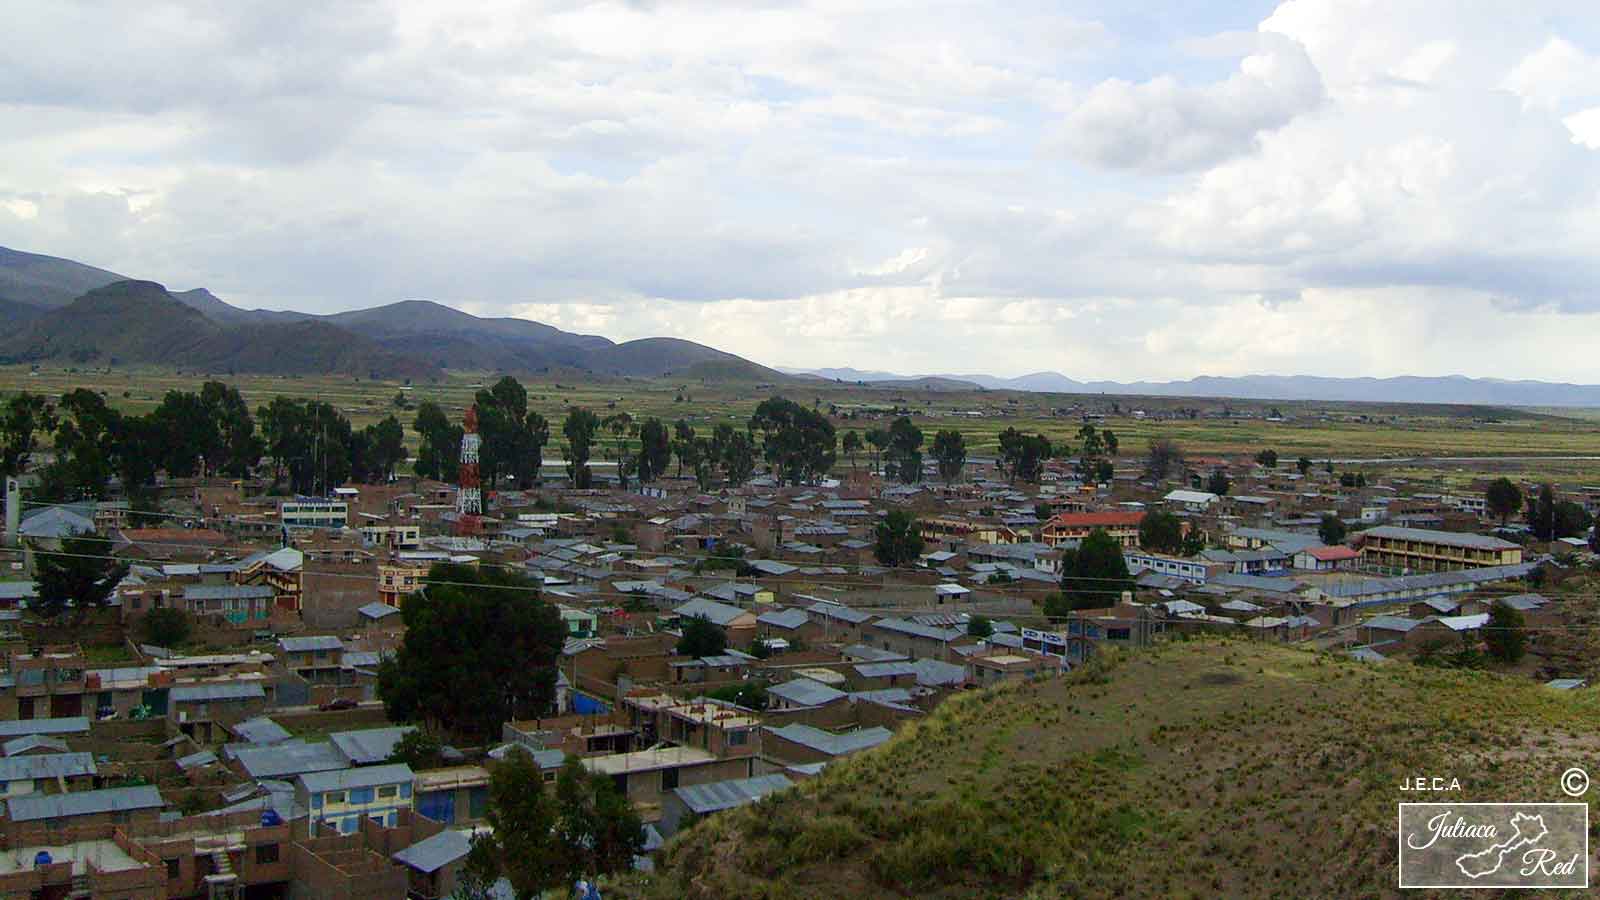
<point>339,799</point>
<point>1391,547</point>
<point>1122,526</point>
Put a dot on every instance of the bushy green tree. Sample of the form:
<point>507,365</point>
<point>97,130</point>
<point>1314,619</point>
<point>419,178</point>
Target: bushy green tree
<point>899,539</point>
<point>480,648</point>
<point>1022,456</point>
<point>1502,499</point>
<point>23,419</point>
<point>165,626</point>
<point>1505,634</point>
<point>80,573</point>
<point>701,638</point>
<point>420,749</point>
<point>905,451</point>
<point>950,450</point>
<point>579,430</point>
<point>1331,530</point>
<point>1094,574</point>
<point>1161,531</point>
<point>796,441</point>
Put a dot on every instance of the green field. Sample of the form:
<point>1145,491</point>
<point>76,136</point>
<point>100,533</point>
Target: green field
<point>1317,430</point>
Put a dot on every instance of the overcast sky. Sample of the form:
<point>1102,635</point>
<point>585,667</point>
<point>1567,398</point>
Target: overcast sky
<point>1106,189</point>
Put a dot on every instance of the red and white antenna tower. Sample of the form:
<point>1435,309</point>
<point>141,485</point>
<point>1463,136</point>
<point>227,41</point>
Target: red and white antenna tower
<point>469,496</point>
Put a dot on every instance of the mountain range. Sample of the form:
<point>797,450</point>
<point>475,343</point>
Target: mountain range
<point>1453,389</point>
<point>54,309</point>
<point>60,310</point>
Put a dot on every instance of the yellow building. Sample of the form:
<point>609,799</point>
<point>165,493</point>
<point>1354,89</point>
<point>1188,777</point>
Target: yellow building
<point>1422,550</point>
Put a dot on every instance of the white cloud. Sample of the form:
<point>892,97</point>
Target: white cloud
<point>1165,125</point>
<point>886,184</point>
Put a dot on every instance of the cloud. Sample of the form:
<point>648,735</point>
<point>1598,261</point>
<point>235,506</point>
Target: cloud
<point>1164,125</point>
<point>876,184</point>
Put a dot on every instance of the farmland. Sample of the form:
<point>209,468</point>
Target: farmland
<point>1317,430</point>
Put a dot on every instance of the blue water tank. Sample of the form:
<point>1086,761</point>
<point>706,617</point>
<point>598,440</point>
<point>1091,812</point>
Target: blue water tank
<point>270,818</point>
<point>42,858</point>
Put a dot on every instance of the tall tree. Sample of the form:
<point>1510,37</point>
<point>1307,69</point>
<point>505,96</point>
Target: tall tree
<point>879,439</point>
<point>599,830</point>
<point>905,451</point>
<point>447,674</point>
<point>439,451</point>
<point>1331,530</point>
<point>684,446</point>
<point>851,445</point>
<point>1218,483</point>
<point>81,573</point>
<point>184,432</point>
<point>796,441</point>
<point>22,419</point>
<point>1161,531</point>
<point>899,539</point>
<point>1303,464</point>
<point>1551,517</point>
<point>738,457</point>
<point>521,843</point>
<point>385,447</point>
<point>241,447</point>
<point>85,444</point>
<point>1164,458</point>
<point>579,430</point>
<point>950,450</point>
<point>701,637</point>
<point>1022,456</point>
<point>655,450</point>
<point>1094,574</point>
<point>1505,634</point>
<point>1502,499</point>
<point>1268,459</point>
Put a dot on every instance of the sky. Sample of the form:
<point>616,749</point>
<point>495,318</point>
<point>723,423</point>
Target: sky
<point>1112,190</point>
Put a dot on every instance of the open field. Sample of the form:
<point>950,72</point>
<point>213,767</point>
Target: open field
<point>1317,430</point>
<point>1198,769</point>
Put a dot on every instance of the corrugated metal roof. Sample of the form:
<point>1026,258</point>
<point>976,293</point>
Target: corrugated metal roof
<point>52,765</point>
<point>344,779</point>
<point>261,730</point>
<point>714,612</point>
<point>433,854</point>
<point>1443,538</point>
<point>830,743</point>
<point>315,642</point>
<point>33,807</point>
<point>369,745</point>
<point>719,795</point>
<point>63,725</point>
<point>784,618</point>
<point>225,690</point>
<point>805,692</point>
<point>288,759</point>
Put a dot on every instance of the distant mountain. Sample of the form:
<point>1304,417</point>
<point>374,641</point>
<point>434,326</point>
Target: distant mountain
<point>59,309</point>
<point>48,281</point>
<point>1454,389</point>
<point>140,323</point>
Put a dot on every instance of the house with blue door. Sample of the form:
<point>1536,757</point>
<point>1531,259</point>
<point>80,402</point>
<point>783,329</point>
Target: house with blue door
<point>339,799</point>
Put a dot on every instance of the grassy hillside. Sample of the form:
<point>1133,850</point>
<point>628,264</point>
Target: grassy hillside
<point>1200,769</point>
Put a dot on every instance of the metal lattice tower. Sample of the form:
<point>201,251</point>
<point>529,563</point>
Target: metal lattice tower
<point>469,496</point>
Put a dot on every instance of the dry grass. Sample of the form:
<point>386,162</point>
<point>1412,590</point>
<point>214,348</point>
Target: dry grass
<point>1201,769</point>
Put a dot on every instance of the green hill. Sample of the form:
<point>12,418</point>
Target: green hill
<point>1198,769</point>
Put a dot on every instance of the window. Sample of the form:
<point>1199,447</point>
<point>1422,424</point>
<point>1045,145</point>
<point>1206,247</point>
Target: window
<point>266,854</point>
<point>173,870</point>
<point>669,779</point>
<point>738,738</point>
<point>334,797</point>
<point>388,792</point>
<point>361,795</point>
